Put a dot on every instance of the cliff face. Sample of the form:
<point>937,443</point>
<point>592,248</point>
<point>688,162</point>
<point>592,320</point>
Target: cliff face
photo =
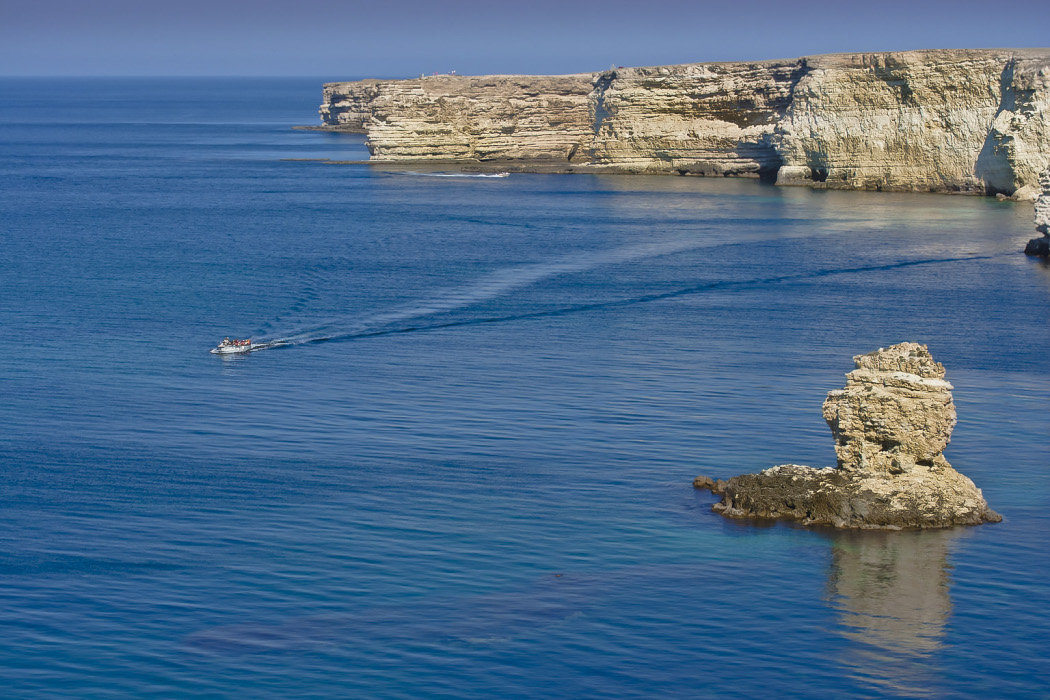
<point>1040,247</point>
<point>929,120</point>
<point>1042,204</point>
<point>460,118</point>
<point>348,106</point>
<point>943,121</point>
<point>1020,133</point>
<point>706,119</point>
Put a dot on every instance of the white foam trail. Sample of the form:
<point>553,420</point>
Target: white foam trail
<point>496,284</point>
<point>457,174</point>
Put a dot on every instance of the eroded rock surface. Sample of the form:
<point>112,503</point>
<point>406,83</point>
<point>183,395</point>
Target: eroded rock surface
<point>467,118</point>
<point>891,423</point>
<point>1041,246</point>
<point>939,121</point>
<point>968,120</point>
<point>713,119</point>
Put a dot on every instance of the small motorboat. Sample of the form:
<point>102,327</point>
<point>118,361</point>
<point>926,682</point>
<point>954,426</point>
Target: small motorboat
<point>229,346</point>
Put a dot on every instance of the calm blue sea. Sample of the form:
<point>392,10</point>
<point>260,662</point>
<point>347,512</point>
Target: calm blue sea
<point>467,473</point>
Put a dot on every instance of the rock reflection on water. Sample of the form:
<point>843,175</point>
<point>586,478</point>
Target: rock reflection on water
<point>891,590</point>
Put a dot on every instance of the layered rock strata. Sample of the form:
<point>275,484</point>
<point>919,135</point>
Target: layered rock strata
<point>702,119</point>
<point>467,119</point>
<point>943,121</point>
<point>348,106</point>
<point>1041,246</point>
<point>890,424</point>
<point>938,121</point>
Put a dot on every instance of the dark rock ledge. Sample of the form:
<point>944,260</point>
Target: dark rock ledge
<point>890,423</point>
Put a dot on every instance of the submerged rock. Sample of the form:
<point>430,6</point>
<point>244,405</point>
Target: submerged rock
<point>890,423</point>
<point>1040,247</point>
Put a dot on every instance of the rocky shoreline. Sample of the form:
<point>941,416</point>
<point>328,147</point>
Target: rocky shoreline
<point>891,423</point>
<point>523,166</point>
<point>963,121</point>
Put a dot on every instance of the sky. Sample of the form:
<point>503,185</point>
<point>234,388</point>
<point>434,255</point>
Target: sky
<point>402,38</point>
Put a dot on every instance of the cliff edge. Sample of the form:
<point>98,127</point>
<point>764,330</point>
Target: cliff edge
<point>891,423</point>
<point>1040,247</point>
<point>940,121</point>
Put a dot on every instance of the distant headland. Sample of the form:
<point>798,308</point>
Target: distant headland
<point>971,121</point>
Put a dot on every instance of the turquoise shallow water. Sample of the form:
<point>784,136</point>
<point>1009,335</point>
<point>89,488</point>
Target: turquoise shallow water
<point>468,473</point>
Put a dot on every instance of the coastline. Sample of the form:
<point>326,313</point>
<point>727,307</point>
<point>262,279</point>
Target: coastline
<point>493,166</point>
<point>549,168</point>
<point>970,121</point>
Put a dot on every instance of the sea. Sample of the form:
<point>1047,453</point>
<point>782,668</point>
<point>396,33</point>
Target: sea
<point>462,466</point>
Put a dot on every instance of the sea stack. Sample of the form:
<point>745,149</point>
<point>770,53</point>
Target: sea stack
<point>1040,247</point>
<point>890,423</point>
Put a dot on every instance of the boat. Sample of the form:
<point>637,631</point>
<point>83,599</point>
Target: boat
<point>229,346</point>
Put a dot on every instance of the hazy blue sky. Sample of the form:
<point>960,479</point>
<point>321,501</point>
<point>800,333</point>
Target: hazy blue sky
<point>339,39</point>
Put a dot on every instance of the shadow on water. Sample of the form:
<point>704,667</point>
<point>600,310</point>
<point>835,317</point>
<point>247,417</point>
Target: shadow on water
<point>466,621</point>
<point>891,593</point>
<point>471,620</point>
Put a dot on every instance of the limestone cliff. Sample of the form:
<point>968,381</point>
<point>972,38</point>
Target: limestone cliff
<point>348,106</point>
<point>705,119</point>
<point>890,423</point>
<point>1041,246</point>
<point>944,121</point>
<point>460,118</point>
<point>938,121</point>
<point>1042,204</point>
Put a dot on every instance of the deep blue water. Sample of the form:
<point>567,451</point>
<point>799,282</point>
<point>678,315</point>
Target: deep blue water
<point>470,474</point>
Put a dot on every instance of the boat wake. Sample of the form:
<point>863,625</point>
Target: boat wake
<point>413,318</point>
<point>468,175</point>
<point>489,287</point>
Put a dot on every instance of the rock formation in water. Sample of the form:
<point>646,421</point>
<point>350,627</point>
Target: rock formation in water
<point>1041,246</point>
<point>942,121</point>
<point>890,423</point>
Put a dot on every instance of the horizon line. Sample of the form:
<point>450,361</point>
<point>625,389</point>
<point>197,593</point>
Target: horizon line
<point>412,75</point>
